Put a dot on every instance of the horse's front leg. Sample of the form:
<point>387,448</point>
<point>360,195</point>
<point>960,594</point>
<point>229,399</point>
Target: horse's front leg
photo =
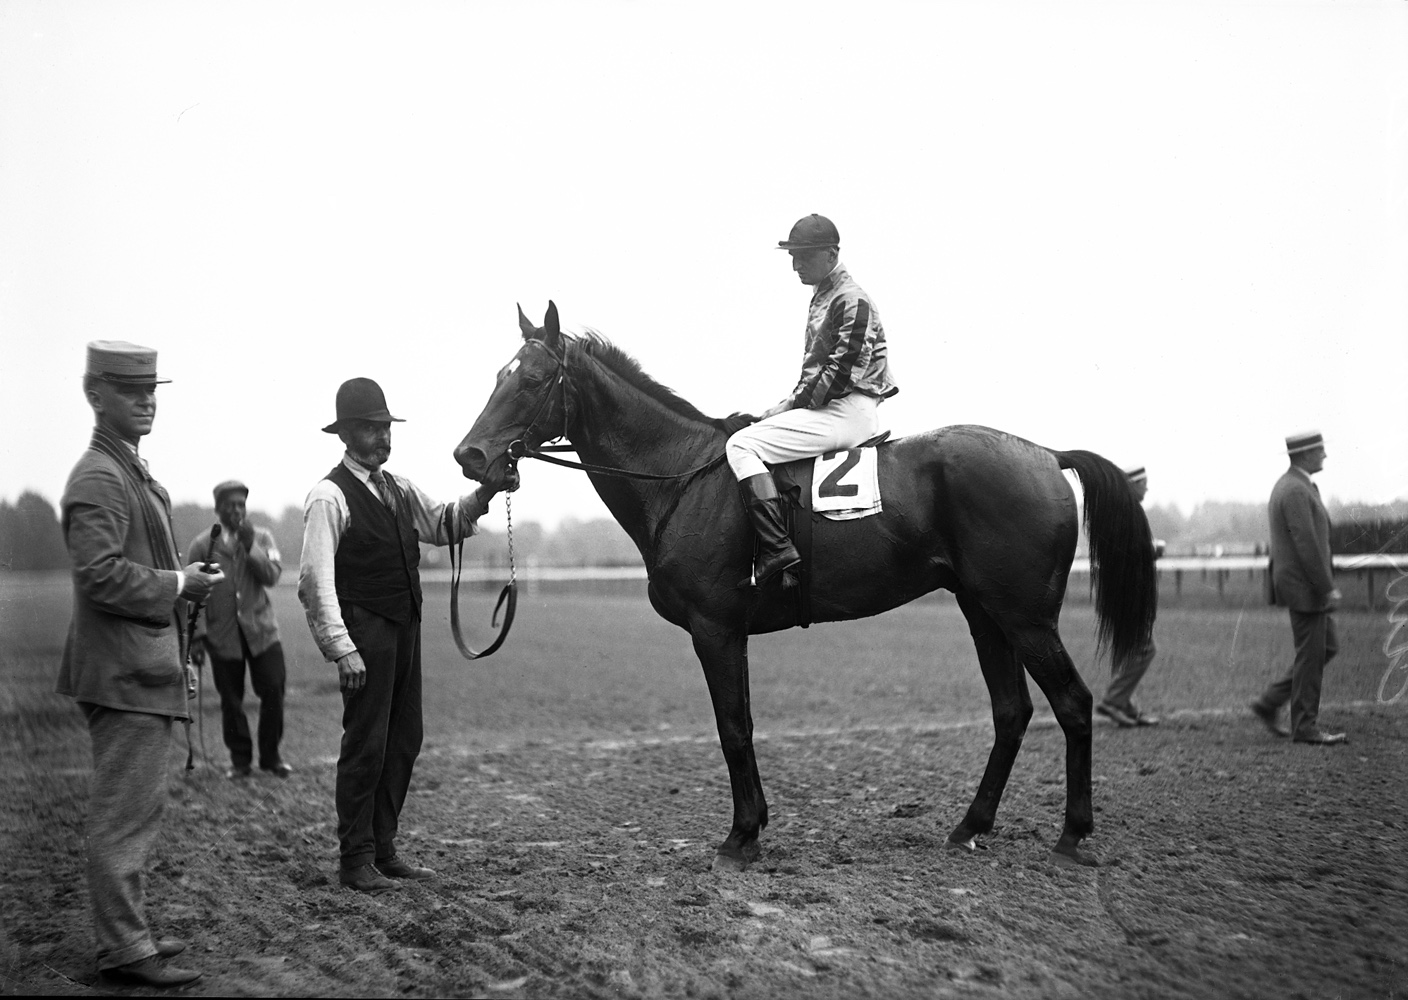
<point>723,652</point>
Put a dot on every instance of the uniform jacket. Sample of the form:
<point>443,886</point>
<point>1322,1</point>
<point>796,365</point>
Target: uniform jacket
<point>125,642</point>
<point>239,604</point>
<point>845,346</point>
<point>1301,570</point>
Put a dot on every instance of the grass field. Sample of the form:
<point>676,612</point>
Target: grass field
<point>602,667</point>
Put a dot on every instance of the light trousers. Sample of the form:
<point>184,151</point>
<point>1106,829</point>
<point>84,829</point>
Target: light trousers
<point>130,751</point>
<point>1126,675</point>
<point>793,434</point>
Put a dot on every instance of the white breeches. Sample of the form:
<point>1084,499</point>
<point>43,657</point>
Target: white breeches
<point>793,434</point>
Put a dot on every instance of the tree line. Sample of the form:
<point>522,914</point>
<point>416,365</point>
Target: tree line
<point>31,539</point>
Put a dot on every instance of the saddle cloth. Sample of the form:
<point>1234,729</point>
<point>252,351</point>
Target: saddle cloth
<point>846,484</point>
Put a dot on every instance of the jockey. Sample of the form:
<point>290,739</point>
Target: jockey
<point>835,403</point>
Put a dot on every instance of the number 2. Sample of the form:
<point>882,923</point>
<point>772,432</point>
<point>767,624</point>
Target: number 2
<point>831,486</point>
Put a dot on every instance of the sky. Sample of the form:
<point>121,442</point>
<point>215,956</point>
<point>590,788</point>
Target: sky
<point>1169,232</point>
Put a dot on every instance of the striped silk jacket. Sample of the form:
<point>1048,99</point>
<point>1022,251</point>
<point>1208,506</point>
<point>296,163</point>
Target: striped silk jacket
<point>845,350</point>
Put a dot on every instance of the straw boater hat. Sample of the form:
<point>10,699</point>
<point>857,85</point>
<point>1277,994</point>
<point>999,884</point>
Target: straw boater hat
<point>360,399</point>
<point>1297,443</point>
<point>1135,475</point>
<point>123,363</point>
<point>230,486</point>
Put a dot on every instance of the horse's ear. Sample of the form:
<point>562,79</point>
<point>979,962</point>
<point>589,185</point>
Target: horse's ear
<point>552,331</point>
<point>525,324</point>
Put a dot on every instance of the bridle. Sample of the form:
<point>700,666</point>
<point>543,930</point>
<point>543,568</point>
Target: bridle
<point>519,448</point>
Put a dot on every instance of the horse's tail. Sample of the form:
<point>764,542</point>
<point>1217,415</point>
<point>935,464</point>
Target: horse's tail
<point>1121,553</point>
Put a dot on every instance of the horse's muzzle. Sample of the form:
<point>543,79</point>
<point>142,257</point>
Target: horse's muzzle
<point>472,461</point>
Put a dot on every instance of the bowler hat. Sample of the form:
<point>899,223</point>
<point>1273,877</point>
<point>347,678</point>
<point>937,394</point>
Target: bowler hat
<point>815,232</point>
<point>121,362</point>
<point>230,486</point>
<point>360,399</point>
<point>1136,474</point>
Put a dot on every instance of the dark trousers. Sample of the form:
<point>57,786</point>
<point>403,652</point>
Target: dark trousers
<point>266,676</point>
<point>1316,645</point>
<point>381,736</point>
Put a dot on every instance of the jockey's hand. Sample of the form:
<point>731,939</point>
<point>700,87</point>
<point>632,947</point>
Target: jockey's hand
<point>735,422</point>
<point>351,672</point>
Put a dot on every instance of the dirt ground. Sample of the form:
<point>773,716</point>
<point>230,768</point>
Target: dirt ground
<point>1232,865</point>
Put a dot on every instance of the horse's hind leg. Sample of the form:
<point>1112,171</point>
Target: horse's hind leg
<point>1046,659</point>
<point>1011,711</point>
<point>723,652</point>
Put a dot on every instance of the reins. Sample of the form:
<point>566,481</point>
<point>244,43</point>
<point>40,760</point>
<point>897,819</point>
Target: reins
<point>508,597</point>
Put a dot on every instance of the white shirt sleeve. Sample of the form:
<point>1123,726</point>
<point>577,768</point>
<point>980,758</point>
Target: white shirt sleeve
<point>325,518</point>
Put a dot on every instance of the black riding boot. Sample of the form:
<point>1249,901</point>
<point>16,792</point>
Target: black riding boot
<point>776,551</point>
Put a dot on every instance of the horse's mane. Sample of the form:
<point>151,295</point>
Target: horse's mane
<point>595,346</point>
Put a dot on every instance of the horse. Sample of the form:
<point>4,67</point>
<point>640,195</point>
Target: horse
<point>982,513</point>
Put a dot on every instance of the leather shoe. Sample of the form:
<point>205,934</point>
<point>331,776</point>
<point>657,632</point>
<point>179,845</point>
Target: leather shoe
<point>239,772</point>
<point>168,947</point>
<point>1123,719</point>
<point>396,868</point>
<point>365,878</point>
<point>1269,720</point>
<point>1322,738</point>
<point>279,770</point>
<point>151,972</point>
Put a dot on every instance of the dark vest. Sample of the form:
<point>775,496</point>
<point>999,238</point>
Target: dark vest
<point>377,558</point>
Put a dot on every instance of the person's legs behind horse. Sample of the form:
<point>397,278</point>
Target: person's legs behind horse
<point>786,437</point>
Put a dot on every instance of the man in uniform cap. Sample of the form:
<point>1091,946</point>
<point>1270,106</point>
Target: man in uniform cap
<point>123,660</point>
<point>360,588</point>
<point>1125,675</point>
<point>239,628</point>
<point>1303,576</point>
<point>834,405</point>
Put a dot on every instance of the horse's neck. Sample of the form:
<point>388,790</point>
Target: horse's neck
<point>621,427</point>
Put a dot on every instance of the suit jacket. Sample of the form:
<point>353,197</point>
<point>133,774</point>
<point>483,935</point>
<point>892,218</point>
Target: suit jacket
<point>239,604</point>
<point>125,647</point>
<point>1301,569</point>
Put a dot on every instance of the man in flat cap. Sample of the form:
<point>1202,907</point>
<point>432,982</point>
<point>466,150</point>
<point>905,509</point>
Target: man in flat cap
<point>124,659</point>
<point>1303,576</point>
<point>239,628</point>
<point>835,403</point>
<point>360,588</point>
<point>1125,674</point>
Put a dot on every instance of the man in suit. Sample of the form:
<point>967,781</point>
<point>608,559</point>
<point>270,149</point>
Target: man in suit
<point>1303,576</point>
<point>239,628</point>
<point>359,583</point>
<point>123,660</point>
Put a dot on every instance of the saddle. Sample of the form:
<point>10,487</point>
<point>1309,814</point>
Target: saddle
<point>794,484</point>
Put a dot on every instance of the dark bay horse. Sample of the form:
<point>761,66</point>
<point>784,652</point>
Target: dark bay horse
<point>984,514</point>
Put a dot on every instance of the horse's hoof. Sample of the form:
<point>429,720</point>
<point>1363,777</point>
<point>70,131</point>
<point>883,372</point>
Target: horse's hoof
<point>1074,859</point>
<point>732,862</point>
<point>968,846</point>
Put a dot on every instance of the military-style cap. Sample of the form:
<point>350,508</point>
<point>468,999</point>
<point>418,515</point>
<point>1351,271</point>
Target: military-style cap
<point>815,232</point>
<point>360,399</point>
<point>1304,441</point>
<point>121,362</point>
<point>1134,475</point>
<point>230,486</point>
